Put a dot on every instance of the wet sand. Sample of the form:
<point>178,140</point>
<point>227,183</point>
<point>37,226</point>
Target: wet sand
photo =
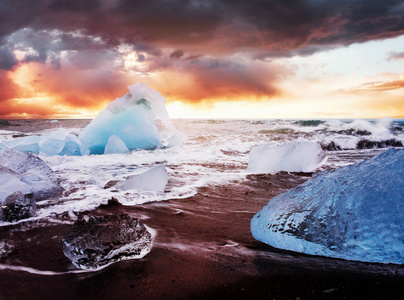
<point>203,249</point>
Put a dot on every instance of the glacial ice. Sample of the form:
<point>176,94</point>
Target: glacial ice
<point>27,173</point>
<point>17,206</point>
<point>57,143</point>
<point>154,179</point>
<point>94,242</point>
<point>355,213</point>
<point>132,118</point>
<point>115,145</point>
<point>291,157</point>
<point>126,123</point>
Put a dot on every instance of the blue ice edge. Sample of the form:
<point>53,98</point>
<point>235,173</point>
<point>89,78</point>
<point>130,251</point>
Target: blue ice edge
<point>354,212</point>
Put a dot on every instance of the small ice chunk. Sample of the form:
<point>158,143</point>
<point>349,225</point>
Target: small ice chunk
<point>154,179</point>
<point>289,157</point>
<point>94,242</point>
<point>354,212</point>
<point>17,206</point>
<point>56,143</point>
<point>115,145</point>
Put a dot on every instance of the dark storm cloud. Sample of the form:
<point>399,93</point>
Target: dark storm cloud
<point>7,59</point>
<point>276,27</point>
<point>176,54</point>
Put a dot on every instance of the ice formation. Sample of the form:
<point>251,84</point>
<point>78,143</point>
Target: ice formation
<point>154,179</point>
<point>355,212</point>
<point>57,143</point>
<point>126,123</point>
<point>133,119</point>
<point>17,206</point>
<point>115,145</point>
<point>290,157</point>
<point>27,173</point>
<point>97,241</point>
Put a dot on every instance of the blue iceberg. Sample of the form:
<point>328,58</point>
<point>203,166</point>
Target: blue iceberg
<point>355,213</point>
<point>127,123</point>
<point>132,119</point>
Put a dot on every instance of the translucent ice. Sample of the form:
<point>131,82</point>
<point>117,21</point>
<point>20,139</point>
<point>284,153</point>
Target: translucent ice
<point>17,206</point>
<point>27,173</point>
<point>11,182</point>
<point>97,241</point>
<point>154,179</point>
<point>115,145</point>
<point>132,118</point>
<point>290,157</point>
<point>355,212</point>
<point>57,143</point>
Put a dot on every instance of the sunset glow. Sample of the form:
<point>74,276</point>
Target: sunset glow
<point>309,59</point>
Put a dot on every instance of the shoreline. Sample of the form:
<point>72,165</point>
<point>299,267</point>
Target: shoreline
<point>203,250</point>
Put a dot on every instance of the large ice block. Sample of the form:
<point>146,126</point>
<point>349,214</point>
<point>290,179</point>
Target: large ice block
<point>355,212</point>
<point>133,119</point>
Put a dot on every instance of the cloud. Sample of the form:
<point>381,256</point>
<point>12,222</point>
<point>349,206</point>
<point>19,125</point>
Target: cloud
<point>396,56</point>
<point>88,51</point>
<point>209,79</point>
<point>383,86</point>
<point>7,59</point>
<point>213,27</point>
<point>8,88</point>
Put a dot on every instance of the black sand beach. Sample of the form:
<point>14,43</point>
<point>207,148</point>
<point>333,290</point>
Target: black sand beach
<point>203,250</point>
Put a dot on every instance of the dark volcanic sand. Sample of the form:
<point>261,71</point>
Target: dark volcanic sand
<point>203,250</point>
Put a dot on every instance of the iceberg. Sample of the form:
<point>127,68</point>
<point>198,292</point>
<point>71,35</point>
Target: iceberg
<point>289,157</point>
<point>154,179</point>
<point>355,213</point>
<point>93,242</point>
<point>132,118</point>
<point>27,173</point>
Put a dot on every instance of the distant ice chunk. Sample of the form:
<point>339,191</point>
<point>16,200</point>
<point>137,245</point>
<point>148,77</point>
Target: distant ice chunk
<point>93,242</point>
<point>115,145</point>
<point>132,118</point>
<point>56,143</point>
<point>290,157</point>
<point>355,212</point>
<point>154,179</point>
<point>27,173</point>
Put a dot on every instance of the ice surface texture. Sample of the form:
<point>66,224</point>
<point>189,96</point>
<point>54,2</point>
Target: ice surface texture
<point>290,157</point>
<point>100,241</point>
<point>355,212</point>
<point>131,118</point>
<point>154,179</point>
<point>17,206</point>
<point>48,144</point>
<point>115,145</point>
<point>27,173</point>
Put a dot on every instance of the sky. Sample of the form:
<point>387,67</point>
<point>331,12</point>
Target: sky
<point>209,59</point>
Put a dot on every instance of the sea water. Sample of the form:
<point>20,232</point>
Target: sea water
<point>215,153</point>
